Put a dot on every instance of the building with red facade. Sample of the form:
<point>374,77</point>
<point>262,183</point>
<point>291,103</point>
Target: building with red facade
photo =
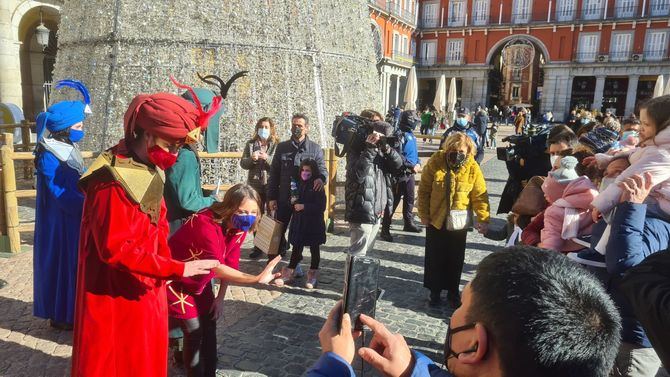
<point>598,54</point>
<point>393,28</point>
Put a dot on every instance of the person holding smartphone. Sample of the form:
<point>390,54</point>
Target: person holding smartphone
<point>528,312</point>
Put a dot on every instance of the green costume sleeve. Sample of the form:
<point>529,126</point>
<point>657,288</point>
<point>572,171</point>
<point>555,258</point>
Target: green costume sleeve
<point>184,180</point>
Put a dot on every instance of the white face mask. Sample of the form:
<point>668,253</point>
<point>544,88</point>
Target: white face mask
<point>553,160</point>
<point>605,182</point>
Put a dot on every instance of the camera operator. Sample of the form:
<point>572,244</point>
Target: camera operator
<point>370,164</point>
<point>463,124</point>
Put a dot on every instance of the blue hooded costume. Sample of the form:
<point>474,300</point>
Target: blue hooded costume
<point>58,165</point>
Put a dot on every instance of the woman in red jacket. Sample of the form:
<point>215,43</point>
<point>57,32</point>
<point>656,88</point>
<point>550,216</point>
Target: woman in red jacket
<point>213,233</point>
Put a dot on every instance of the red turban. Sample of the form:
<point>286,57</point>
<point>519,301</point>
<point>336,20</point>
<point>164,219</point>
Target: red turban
<point>165,115</point>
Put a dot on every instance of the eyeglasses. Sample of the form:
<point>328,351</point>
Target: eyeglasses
<point>448,352</point>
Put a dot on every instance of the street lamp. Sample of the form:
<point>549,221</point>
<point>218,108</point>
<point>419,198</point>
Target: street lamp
<point>42,34</point>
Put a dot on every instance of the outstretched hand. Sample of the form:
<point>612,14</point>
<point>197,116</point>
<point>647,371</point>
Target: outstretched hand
<point>199,267</point>
<point>266,276</point>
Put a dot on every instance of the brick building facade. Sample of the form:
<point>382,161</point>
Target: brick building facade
<point>393,26</point>
<point>602,54</point>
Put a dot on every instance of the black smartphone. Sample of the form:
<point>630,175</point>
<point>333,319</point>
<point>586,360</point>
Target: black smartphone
<point>360,288</point>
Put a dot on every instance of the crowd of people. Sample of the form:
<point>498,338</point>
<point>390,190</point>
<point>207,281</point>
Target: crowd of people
<point>127,249</point>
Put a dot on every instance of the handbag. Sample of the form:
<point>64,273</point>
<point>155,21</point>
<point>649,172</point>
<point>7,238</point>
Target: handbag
<point>268,234</point>
<point>531,200</point>
<point>458,219</point>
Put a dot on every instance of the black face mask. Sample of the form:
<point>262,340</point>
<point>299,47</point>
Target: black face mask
<point>448,352</point>
<point>455,159</point>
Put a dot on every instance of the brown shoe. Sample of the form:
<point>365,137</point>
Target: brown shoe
<point>312,276</point>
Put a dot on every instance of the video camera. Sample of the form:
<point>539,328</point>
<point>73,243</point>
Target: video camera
<point>349,129</point>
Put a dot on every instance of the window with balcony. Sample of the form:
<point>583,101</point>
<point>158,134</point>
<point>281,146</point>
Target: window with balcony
<point>659,7</point>
<point>656,45</point>
<point>625,8</point>
<point>587,50</point>
<point>480,12</point>
<point>565,10</point>
<point>455,52</point>
<point>456,13</point>
<point>516,74</point>
<point>592,9</point>
<point>430,15</point>
<point>620,48</point>
<point>516,91</point>
<point>405,47</point>
<point>428,52</point>
<point>521,12</point>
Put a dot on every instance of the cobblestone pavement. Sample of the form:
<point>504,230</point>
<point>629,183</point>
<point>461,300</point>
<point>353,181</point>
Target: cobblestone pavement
<point>264,332</point>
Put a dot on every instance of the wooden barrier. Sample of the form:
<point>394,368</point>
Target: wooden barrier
<point>11,227</point>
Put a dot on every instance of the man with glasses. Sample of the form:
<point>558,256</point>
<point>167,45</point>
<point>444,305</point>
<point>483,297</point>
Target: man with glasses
<point>528,312</point>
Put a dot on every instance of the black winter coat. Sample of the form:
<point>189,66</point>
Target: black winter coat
<point>286,164</point>
<point>308,227</point>
<point>368,186</point>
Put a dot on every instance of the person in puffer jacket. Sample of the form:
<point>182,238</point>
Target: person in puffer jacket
<point>370,164</point>
<point>569,214</point>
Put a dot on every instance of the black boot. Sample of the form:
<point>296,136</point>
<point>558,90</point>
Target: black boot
<point>412,228</point>
<point>434,298</point>
<point>454,300</point>
<point>385,235</point>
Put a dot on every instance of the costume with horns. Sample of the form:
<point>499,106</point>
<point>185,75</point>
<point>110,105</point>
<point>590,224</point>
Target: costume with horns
<point>58,166</point>
<point>183,188</point>
<point>124,260</point>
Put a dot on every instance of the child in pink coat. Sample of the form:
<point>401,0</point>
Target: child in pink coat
<point>568,215</point>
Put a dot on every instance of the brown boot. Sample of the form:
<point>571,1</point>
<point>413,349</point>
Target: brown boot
<point>285,278</point>
<point>312,276</point>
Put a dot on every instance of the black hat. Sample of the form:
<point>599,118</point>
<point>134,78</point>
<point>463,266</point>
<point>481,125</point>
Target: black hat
<point>462,111</point>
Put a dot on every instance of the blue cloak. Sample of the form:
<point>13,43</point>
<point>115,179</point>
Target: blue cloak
<point>57,222</point>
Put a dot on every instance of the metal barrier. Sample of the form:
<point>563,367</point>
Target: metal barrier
<point>11,226</point>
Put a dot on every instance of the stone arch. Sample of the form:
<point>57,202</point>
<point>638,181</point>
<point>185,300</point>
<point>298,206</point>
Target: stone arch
<point>21,11</point>
<point>536,41</point>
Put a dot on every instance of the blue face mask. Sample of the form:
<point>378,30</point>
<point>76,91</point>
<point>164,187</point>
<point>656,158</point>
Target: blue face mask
<point>463,122</point>
<point>264,133</point>
<point>76,135</point>
<point>628,134</point>
<point>243,222</point>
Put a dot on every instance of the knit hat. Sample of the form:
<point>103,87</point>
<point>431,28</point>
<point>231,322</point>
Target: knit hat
<point>599,139</point>
<point>566,173</point>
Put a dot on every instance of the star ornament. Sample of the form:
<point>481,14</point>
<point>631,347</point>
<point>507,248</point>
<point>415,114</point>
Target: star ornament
<point>181,299</point>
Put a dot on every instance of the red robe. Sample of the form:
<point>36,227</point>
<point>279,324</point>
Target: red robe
<point>121,313</point>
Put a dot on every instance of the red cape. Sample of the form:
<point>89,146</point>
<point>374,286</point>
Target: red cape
<point>121,312</point>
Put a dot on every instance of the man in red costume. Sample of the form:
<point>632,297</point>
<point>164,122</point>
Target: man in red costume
<point>124,260</point>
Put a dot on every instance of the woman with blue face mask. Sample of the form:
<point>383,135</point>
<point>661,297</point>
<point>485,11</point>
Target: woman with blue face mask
<point>58,167</point>
<point>257,158</point>
<point>215,233</point>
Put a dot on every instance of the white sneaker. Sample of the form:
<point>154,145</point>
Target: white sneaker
<point>298,272</point>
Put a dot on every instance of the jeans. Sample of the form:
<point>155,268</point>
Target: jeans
<point>635,361</point>
<point>200,356</point>
<point>404,189</point>
<point>362,237</point>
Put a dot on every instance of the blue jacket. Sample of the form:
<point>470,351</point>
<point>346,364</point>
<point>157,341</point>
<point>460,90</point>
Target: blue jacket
<point>409,149</point>
<point>634,236</point>
<point>332,365</point>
